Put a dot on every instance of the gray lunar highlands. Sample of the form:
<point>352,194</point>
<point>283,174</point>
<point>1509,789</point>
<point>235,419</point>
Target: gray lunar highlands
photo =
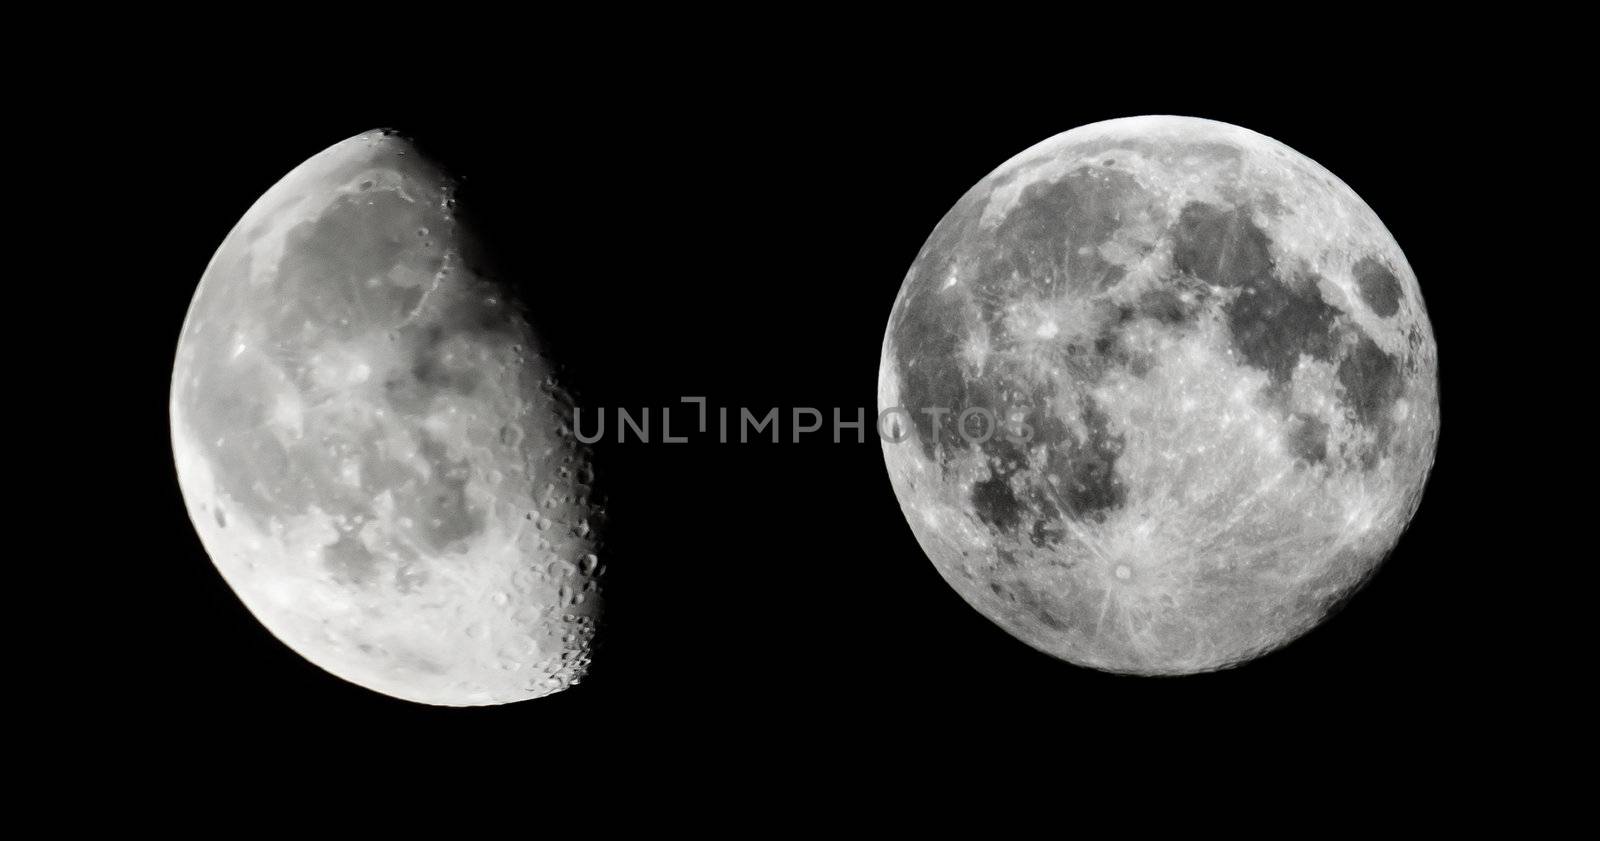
<point>1229,378</point>
<point>373,448</point>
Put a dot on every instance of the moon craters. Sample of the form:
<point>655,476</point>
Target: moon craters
<point>1219,387</point>
<point>371,439</point>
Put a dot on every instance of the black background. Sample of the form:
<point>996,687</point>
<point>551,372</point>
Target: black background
<point>743,239</point>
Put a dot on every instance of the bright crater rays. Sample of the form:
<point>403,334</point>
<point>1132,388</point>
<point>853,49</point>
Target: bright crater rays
<point>1226,379</point>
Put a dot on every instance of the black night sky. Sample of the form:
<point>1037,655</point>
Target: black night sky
<point>742,238</point>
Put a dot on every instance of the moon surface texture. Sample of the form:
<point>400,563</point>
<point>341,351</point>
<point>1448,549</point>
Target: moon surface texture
<point>374,448</point>
<point>1215,389</point>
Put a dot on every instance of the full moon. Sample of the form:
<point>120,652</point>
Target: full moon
<point>1158,394</point>
<point>374,446</point>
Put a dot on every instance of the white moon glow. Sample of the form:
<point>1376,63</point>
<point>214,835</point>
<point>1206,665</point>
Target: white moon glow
<point>372,446</point>
<point>1216,382</point>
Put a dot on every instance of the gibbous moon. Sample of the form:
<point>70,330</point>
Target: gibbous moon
<point>373,446</point>
<point>1214,389</point>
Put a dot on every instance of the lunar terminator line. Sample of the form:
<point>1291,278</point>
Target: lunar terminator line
<point>1230,379</point>
<point>375,447</point>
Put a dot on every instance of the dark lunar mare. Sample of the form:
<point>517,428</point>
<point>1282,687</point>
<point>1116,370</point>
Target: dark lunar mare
<point>1274,318</point>
<point>1279,315</point>
<point>321,297</point>
<point>1041,242</point>
<point>1309,440</point>
<point>1029,311</point>
<point>1372,382</point>
<point>1379,287</point>
<point>1049,245</point>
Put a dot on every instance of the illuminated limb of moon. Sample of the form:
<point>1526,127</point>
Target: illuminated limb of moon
<point>374,448</point>
<point>1227,379</point>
